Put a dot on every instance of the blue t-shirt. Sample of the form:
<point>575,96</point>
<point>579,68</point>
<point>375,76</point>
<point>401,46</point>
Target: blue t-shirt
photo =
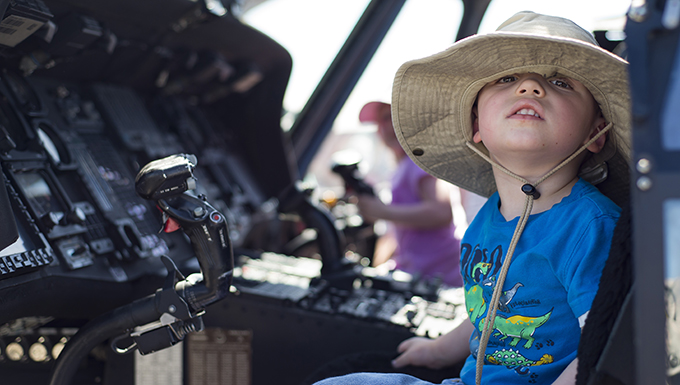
<point>553,278</point>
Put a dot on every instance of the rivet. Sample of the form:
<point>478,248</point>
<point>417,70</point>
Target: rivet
<point>644,183</point>
<point>644,165</point>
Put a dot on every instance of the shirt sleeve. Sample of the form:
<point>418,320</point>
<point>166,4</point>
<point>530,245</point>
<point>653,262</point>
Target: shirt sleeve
<point>582,273</point>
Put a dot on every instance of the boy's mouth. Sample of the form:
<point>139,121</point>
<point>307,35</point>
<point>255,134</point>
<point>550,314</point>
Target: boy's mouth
<point>527,111</point>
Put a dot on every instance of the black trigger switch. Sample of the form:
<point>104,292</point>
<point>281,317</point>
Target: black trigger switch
<point>410,315</point>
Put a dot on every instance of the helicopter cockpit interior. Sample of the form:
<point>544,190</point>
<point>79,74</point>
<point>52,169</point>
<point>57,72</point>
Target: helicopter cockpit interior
<point>153,224</point>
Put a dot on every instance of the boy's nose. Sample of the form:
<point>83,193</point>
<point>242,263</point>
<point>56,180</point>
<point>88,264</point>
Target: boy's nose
<point>530,86</point>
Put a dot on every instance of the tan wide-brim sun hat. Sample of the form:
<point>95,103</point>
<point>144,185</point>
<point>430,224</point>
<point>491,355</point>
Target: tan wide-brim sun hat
<point>432,98</point>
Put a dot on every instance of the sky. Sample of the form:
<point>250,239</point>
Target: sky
<point>314,30</point>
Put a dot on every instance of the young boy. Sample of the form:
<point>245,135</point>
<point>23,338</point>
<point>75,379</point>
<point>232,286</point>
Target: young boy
<point>531,114</point>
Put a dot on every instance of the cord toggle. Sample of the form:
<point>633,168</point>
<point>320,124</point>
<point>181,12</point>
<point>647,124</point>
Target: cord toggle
<point>531,190</point>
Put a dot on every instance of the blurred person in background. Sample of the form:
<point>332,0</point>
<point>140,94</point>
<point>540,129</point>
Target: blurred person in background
<point>420,239</point>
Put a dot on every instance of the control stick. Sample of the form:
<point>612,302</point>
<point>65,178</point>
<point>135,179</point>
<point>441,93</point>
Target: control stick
<point>166,181</point>
<point>346,164</point>
<point>163,319</point>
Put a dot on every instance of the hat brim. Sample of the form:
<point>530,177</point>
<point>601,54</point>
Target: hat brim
<point>432,98</point>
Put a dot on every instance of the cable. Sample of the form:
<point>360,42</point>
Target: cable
<point>99,330</point>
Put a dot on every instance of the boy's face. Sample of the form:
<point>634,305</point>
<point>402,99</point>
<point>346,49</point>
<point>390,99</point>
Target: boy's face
<point>527,115</point>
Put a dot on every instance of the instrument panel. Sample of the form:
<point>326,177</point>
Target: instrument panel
<point>85,103</point>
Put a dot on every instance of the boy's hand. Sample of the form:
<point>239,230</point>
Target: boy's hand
<point>420,351</point>
<point>446,350</point>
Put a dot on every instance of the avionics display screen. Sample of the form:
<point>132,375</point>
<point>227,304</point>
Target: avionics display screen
<point>12,124</point>
<point>38,192</point>
<point>23,244</point>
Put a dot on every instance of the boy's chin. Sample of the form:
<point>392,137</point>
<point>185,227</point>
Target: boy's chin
<point>533,157</point>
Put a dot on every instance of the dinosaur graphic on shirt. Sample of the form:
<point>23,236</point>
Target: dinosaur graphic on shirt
<point>518,327</point>
<point>480,267</point>
<point>514,359</point>
<point>480,270</point>
<point>475,295</point>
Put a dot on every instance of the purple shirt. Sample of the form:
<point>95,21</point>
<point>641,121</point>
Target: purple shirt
<point>428,252</point>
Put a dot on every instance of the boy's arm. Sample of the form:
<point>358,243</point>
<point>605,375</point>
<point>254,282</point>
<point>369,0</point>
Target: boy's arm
<point>444,351</point>
<point>568,376</point>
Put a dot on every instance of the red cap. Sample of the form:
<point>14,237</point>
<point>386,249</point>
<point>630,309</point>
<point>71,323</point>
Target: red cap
<point>371,112</point>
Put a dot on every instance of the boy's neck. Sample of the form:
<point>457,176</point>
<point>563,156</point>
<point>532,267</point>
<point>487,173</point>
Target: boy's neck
<point>552,191</point>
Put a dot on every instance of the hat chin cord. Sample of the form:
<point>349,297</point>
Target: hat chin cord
<point>531,195</point>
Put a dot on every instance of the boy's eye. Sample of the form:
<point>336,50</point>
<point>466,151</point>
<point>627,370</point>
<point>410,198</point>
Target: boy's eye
<point>561,83</point>
<point>507,79</point>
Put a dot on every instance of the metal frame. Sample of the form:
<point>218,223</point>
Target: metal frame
<point>656,178</point>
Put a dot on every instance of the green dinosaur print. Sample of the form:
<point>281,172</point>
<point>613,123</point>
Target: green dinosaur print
<point>512,358</point>
<point>481,266</point>
<point>474,296</point>
<point>518,327</point>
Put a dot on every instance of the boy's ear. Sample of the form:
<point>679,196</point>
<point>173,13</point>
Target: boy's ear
<point>476,137</point>
<point>597,145</point>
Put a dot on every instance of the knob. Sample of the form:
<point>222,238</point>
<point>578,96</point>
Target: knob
<point>58,347</point>
<point>50,219</point>
<point>75,216</point>
<point>39,351</point>
<point>16,350</point>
